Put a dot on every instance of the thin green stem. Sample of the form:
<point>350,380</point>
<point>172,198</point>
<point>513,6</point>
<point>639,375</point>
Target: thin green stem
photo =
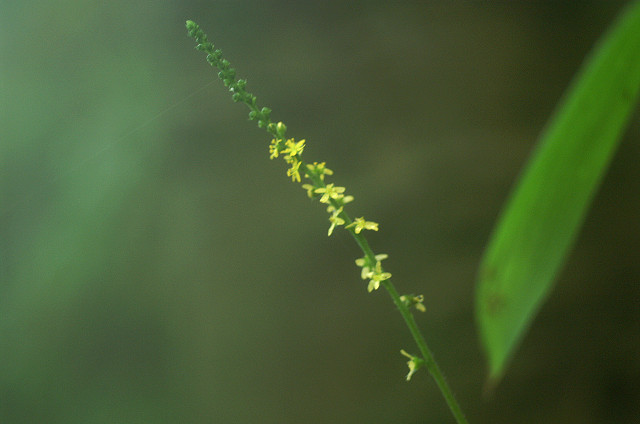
<point>227,74</point>
<point>428,357</point>
<point>430,362</point>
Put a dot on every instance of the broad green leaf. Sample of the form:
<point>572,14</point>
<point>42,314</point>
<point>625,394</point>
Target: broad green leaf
<point>547,207</point>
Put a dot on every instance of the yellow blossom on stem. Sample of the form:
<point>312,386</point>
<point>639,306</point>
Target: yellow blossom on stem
<point>320,169</point>
<point>330,192</point>
<point>335,220</point>
<point>274,148</point>
<point>331,195</point>
<point>293,150</point>
<point>366,268</point>
<point>373,273</point>
<point>309,189</point>
<point>360,224</point>
<point>414,363</point>
<point>411,300</point>
<point>377,276</point>
<point>294,171</point>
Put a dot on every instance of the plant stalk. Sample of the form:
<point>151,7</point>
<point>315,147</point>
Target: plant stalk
<point>430,362</point>
<point>227,74</point>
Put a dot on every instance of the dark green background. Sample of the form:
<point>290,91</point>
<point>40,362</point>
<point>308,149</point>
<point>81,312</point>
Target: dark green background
<point>156,267</point>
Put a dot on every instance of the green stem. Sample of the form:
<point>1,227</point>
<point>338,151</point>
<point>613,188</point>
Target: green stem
<point>430,362</point>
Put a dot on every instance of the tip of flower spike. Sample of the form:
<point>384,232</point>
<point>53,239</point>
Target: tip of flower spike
<point>193,29</point>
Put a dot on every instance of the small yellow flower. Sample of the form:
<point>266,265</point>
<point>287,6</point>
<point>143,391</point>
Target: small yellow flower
<point>309,189</point>
<point>320,169</point>
<point>274,148</point>
<point>360,224</point>
<point>414,363</point>
<point>294,171</point>
<point>377,276</point>
<point>293,150</point>
<point>335,220</point>
<point>417,301</point>
<point>366,270</point>
<point>330,192</point>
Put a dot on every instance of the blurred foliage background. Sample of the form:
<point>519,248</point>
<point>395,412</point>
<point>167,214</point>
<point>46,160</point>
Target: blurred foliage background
<point>156,267</point>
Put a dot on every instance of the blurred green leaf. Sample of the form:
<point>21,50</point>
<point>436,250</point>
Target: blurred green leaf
<point>547,207</point>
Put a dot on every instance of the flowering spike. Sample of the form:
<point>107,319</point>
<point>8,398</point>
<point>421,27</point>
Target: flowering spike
<point>334,197</point>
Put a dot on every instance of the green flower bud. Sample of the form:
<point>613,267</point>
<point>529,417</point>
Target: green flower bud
<point>204,46</point>
<point>192,26</point>
<point>281,129</point>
